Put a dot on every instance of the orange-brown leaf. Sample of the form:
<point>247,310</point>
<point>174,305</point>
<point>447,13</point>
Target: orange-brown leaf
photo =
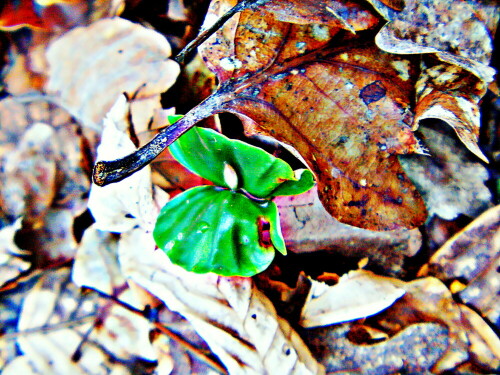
<point>341,102</point>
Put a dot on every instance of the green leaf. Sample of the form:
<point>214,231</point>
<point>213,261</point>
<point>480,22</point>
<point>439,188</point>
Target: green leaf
<point>291,187</point>
<point>215,157</point>
<point>210,229</point>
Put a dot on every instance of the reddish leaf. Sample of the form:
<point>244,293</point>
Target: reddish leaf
<point>344,107</point>
<point>18,14</point>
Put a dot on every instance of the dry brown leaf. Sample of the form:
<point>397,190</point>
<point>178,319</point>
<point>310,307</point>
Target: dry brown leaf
<point>484,342</point>
<point>358,294</point>
<point>237,321</point>
<point>473,256</point>
<point>414,350</point>
<point>451,181</point>
<point>11,262</point>
<point>57,333</point>
<point>343,106</point>
<point>113,56</point>
<point>429,300</point>
<point>347,15</point>
<point>307,226</point>
<point>450,93</point>
<point>458,32</point>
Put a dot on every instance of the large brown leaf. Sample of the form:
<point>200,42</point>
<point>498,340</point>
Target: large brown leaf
<point>341,102</point>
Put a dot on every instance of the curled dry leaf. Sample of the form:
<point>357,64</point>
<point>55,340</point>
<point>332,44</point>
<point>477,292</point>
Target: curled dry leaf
<point>307,227</point>
<point>458,32</point>
<point>358,294</point>
<point>113,56</point>
<point>473,256</point>
<point>449,93</point>
<point>451,180</point>
<point>343,106</point>
<point>237,321</point>
<point>11,262</point>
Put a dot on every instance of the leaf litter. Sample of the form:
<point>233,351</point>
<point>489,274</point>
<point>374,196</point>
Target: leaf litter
<point>88,293</point>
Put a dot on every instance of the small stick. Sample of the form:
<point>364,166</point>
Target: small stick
<point>107,172</point>
<point>205,34</point>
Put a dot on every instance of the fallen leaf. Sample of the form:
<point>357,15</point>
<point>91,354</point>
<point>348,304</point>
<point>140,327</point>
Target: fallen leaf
<point>16,15</point>
<point>428,300</point>
<point>308,227</point>
<point>451,181</point>
<point>450,93</point>
<point>115,56</point>
<point>11,262</point>
<point>358,294</point>
<point>60,334</point>
<point>236,320</point>
<point>95,263</point>
<point>458,32</point>
<point>347,15</point>
<point>288,78</point>
<point>121,206</point>
<point>484,342</point>
<point>472,256</point>
<point>414,350</point>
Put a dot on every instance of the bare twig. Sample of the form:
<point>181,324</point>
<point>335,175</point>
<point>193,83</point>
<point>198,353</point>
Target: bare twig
<point>107,172</point>
<point>205,34</point>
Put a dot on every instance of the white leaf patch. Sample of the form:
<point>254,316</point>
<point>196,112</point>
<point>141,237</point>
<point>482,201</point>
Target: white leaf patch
<point>357,295</point>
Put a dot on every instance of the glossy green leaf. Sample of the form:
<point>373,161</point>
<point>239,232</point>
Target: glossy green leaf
<point>215,157</point>
<point>293,187</point>
<point>210,229</point>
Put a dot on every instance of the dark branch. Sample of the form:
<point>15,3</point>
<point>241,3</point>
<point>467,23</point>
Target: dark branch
<point>205,34</point>
<point>107,172</point>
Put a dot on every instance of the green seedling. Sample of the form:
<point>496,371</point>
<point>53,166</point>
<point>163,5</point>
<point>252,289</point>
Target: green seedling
<point>231,228</point>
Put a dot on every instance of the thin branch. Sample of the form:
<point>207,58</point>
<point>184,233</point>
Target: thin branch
<point>205,34</point>
<point>107,172</point>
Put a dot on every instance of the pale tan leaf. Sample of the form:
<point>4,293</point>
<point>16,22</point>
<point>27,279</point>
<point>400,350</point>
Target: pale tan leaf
<point>484,342</point>
<point>95,263</point>
<point>121,206</point>
<point>55,319</point>
<point>237,321</point>
<point>11,263</point>
<point>113,56</point>
<point>357,295</point>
